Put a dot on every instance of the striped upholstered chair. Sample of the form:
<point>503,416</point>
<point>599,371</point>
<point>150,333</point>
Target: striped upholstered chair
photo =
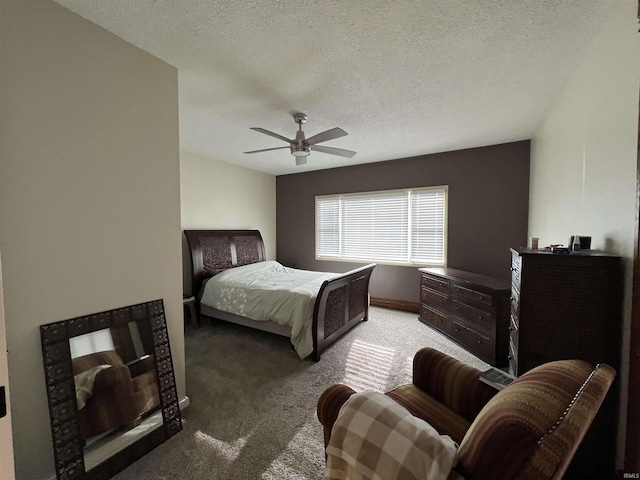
<point>114,401</point>
<point>529,430</point>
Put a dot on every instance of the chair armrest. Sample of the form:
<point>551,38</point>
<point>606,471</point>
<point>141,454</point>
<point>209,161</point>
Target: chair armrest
<point>329,405</point>
<point>91,360</point>
<point>451,382</point>
<point>142,365</point>
<point>112,376</point>
<point>117,379</point>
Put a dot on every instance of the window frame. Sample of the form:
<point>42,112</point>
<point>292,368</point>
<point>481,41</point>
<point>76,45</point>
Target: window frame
<point>408,191</point>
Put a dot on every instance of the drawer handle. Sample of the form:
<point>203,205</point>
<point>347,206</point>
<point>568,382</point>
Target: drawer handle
<point>480,297</point>
<point>511,329</point>
<point>479,317</point>
<point>479,342</point>
<point>509,357</point>
<point>513,269</point>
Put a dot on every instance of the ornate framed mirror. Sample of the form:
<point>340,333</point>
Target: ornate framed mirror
<point>84,375</point>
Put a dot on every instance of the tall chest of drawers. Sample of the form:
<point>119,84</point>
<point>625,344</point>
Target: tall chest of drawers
<point>564,306</point>
<point>471,309</point>
<point>567,306</point>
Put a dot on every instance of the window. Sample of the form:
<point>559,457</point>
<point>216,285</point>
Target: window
<point>404,227</point>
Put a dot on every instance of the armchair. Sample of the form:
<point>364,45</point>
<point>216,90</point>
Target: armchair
<point>529,430</point>
<point>145,384</point>
<point>112,403</point>
<point>121,393</point>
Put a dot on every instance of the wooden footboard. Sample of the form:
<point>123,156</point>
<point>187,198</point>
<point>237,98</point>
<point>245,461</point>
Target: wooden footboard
<point>341,304</point>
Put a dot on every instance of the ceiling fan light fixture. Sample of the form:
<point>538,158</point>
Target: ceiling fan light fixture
<point>301,160</point>
<point>300,151</point>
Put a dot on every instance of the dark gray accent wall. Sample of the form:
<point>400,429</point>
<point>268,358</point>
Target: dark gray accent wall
<point>488,209</point>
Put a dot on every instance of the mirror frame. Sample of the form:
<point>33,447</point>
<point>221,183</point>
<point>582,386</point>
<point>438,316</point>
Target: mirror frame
<point>56,355</point>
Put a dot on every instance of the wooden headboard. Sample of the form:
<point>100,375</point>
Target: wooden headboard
<point>213,251</point>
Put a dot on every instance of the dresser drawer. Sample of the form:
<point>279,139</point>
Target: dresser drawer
<point>434,299</point>
<point>516,270</point>
<point>513,360</point>
<point>475,317</point>
<point>473,295</point>
<point>433,317</point>
<point>474,341</point>
<point>515,305</point>
<point>514,333</point>
<point>439,285</point>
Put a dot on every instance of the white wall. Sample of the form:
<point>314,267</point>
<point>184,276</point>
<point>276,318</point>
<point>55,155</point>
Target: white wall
<point>89,193</point>
<point>219,195</point>
<point>583,157</point>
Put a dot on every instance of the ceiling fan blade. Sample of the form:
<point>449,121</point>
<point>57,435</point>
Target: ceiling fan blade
<point>271,134</point>
<point>266,150</point>
<point>324,136</point>
<point>334,151</point>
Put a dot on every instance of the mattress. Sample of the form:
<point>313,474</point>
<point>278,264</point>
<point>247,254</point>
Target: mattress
<point>269,291</point>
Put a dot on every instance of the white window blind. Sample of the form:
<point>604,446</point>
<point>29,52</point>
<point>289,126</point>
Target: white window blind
<point>327,226</point>
<point>428,226</point>
<point>396,226</point>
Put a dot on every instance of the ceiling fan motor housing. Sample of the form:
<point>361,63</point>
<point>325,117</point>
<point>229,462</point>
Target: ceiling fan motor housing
<point>299,148</point>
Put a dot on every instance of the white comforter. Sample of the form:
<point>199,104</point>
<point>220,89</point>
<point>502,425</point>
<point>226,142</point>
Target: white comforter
<point>270,291</point>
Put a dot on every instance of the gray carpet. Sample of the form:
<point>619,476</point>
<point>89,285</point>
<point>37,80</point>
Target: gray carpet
<point>253,401</point>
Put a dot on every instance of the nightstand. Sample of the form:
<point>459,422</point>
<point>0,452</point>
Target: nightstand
<point>190,304</point>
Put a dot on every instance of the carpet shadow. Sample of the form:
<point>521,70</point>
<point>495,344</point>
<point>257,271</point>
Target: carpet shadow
<point>252,412</point>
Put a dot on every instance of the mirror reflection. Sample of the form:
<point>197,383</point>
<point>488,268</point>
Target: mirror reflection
<point>111,389</point>
<point>116,388</point>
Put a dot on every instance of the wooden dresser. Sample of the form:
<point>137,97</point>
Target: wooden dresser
<point>564,306</point>
<point>471,309</point>
<point>570,306</point>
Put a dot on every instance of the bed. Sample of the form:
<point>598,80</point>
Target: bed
<point>341,301</point>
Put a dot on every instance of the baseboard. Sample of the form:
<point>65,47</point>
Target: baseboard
<point>402,305</point>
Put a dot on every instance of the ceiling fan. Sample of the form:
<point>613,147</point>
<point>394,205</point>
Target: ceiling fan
<point>301,147</point>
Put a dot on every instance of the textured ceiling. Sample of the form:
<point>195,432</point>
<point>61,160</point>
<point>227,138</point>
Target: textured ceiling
<point>403,78</point>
